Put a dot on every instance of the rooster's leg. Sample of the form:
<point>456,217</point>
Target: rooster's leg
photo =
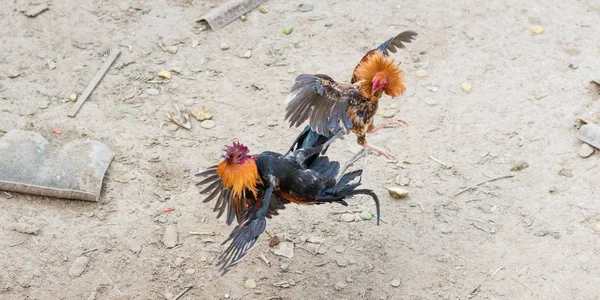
<point>378,150</point>
<point>391,123</point>
<point>349,163</point>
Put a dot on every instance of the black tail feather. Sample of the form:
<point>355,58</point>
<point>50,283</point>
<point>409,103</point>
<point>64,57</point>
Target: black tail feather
<point>375,198</point>
<point>345,189</point>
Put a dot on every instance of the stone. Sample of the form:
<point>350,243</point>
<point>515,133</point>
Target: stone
<point>78,266</point>
<point>170,237</point>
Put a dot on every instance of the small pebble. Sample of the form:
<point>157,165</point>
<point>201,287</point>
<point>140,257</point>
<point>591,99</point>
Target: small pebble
<point>243,18</point>
<point>519,166</point>
<point>247,54</point>
<point>566,172</point>
<point>339,248</point>
<point>432,88</point>
<point>348,217</point>
<point>341,262</point>
<point>349,279</point>
<point>366,215</point>
<point>124,7</point>
<point>431,102</point>
<point>598,227</point>
<point>340,286</point>
<point>188,102</point>
<point>176,70</point>
<point>315,240</point>
<point>190,271</point>
<point>422,74</point>
<point>573,66</point>
<point>168,295</point>
<point>78,266</point>
<point>263,9</point>
<point>396,282</point>
<point>226,296</point>
<point>201,113</point>
<point>73,97</point>
<point>12,73</point>
<point>586,150</point>
<point>304,7</point>
<point>403,181</point>
<point>152,92</point>
<point>285,267</point>
<point>419,184</point>
<point>389,114</point>
<point>397,192</point>
<point>51,64</point>
<point>170,237</point>
<point>195,43</point>
<point>291,70</point>
<point>224,46</point>
<point>170,127</point>
<point>537,29</point>
<point>164,74</point>
<point>208,124</point>
<point>250,284</point>
<point>288,30</point>
<point>528,220</point>
<point>466,86</point>
<point>172,49</point>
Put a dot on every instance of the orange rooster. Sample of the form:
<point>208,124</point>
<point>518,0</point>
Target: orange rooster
<point>331,106</point>
<point>252,188</point>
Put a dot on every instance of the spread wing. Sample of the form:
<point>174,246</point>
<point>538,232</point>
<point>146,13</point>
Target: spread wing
<point>391,45</point>
<point>396,42</point>
<point>321,101</point>
<point>225,201</point>
<point>234,209</point>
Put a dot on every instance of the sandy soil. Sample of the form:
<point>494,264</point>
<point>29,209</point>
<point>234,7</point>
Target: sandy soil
<point>533,236</point>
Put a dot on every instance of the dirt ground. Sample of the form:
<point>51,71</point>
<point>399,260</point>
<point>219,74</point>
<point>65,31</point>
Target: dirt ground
<point>532,236</point>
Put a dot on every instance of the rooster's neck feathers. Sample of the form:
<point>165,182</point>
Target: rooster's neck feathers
<point>240,177</point>
<point>377,63</point>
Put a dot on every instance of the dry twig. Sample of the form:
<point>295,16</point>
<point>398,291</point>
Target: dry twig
<point>536,293</point>
<point>209,233</point>
<point>444,165</point>
<point>482,182</point>
<point>182,292</point>
<point>90,88</point>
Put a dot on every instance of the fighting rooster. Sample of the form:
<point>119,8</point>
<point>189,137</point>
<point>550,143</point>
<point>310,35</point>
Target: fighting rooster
<point>252,188</point>
<point>331,106</point>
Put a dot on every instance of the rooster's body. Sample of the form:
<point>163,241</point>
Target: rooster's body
<point>332,106</point>
<point>254,187</point>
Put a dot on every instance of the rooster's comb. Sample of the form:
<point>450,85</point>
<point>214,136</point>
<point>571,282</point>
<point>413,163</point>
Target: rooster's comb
<point>236,147</point>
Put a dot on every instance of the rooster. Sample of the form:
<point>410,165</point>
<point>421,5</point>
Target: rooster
<point>332,106</point>
<point>252,188</point>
